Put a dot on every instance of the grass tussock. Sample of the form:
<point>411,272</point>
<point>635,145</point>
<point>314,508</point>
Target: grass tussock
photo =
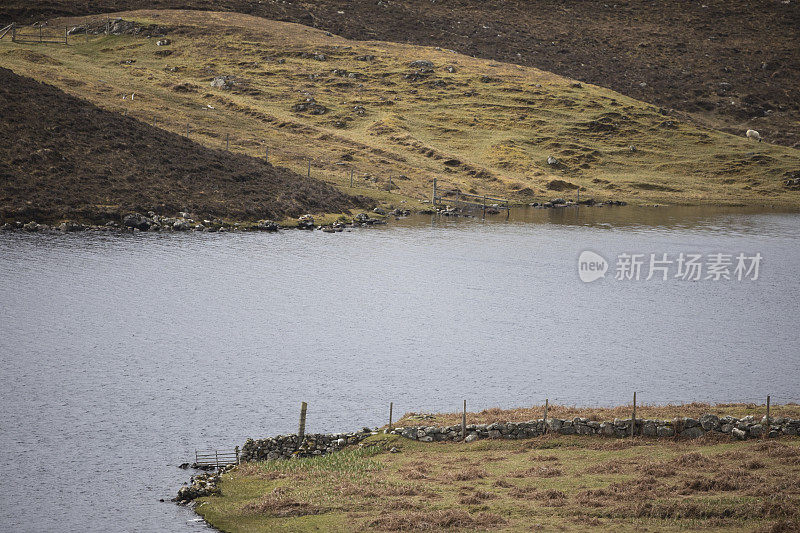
<point>437,520</point>
<point>466,474</point>
<point>539,471</point>
<point>279,503</point>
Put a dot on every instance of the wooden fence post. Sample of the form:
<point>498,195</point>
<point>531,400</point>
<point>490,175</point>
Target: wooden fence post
<point>433,200</point>
<point>546,405</point>
<point>633,419</point>
<point>266,154</point>
<point>187,129</point>
<point>309,167</point>
<point>236,449</point>
<point>391,406</point>
<point>768,424</point>
<point>301,432</point>
<point>66,35</point>
<point>40,33</point>
<point>484,206</point>
<point>13,31</point>
<point>464,421</point>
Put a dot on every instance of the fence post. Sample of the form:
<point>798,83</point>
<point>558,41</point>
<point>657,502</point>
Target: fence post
<point>768,424</point>
<point>216,458</point>
<point>66,34</point>
<point>40,33</point>
<point>484,206</point>
<point>434,192</point>
<point>236,449</point>
<point>546,405</point>
<point>227,141</point>
<point>266,154</point>
<point>351,177</point>
<point>309,167</point>
<point>464,422</point>
<point>108,25</point>
<point>301,432</point>
<point>391,406</point>
<point>187,129</point>
<point>13,32</point>
<point>633,419</point>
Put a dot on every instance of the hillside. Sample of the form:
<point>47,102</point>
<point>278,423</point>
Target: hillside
<point>406,113</point>
<point>731,64</point>
<point>70,159</point>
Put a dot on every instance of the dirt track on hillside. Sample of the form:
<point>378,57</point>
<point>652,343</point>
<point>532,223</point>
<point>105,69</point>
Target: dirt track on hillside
<point>731,64</point>
<point>70,159</point>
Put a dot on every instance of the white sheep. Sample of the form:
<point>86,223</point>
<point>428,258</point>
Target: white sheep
<point>753,134</point>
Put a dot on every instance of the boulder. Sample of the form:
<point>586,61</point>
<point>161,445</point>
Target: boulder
<point>692,432</point>
<point>738,433</point>
<point>709,422</point>
<point>665,431</point>
<point>136,221</point>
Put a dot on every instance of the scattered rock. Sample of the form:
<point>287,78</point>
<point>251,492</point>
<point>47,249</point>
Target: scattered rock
<point>223,82</point>
<point>421,64</point>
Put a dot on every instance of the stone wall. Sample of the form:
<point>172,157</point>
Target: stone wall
<point>740,428</point>
<point>287,446</point>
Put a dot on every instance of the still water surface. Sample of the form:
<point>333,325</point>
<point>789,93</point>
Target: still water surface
<point>122,354</point>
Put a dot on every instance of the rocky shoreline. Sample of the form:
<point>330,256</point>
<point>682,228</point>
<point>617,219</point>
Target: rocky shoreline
<point>185,222</point>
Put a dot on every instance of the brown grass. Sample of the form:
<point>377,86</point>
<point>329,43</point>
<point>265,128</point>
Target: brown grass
<point>725,486</point>
<point>660,412</point>
<point>280,504</point>
<point>436,520</point>
<point>467,474</point>
<point>539,471</point>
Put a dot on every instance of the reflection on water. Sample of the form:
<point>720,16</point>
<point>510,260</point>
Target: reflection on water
<point>122,354</point>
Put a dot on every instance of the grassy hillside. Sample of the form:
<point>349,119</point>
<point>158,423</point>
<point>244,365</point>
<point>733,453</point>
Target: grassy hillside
<point>732,64</point>
<point>66,158</point>
<point>551,483</point>
<point>477,125</point>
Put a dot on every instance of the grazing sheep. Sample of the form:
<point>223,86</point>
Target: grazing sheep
<point>753,134</point>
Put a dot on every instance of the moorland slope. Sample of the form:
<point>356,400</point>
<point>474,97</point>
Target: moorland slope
<point>68,159</point>
<point>405,113</point>
<point>729,64</point>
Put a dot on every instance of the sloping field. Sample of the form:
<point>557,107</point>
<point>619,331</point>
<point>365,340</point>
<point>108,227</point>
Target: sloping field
<point>382,111</point>
<point>732,64</point>
<point>66,158</point>
<point>550,483</point>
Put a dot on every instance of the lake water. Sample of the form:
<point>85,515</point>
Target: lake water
<point>123,354</point>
